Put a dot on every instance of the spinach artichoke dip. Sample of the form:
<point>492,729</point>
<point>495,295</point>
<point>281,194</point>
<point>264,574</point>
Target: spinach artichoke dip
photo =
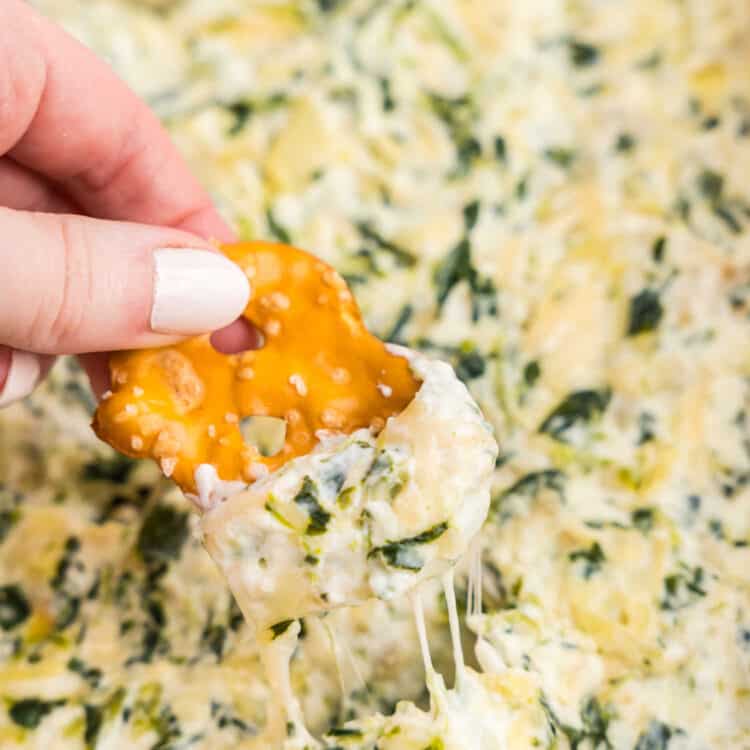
<point>552,196</point>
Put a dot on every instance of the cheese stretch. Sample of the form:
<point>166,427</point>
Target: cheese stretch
<point>361,516</point>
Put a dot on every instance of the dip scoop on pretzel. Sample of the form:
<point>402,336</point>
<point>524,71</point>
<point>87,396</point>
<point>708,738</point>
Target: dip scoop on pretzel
<point>383,475</point>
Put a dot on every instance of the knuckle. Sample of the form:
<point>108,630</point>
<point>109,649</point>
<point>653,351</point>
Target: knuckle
<point>65,315</point>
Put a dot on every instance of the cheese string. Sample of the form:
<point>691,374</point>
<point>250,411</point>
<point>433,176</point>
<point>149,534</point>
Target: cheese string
<point>474,588</point>
<point>276,655</point>
<point>343,656</point>
<point>418,609</point>
<point>458,656</point>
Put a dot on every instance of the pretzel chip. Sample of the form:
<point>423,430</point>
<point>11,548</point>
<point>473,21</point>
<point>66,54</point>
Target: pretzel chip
<point>319,369</point>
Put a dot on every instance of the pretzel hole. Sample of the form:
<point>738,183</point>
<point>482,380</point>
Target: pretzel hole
<point>266,434</point>
<point>237,337</point>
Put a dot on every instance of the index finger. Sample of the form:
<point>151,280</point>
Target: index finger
<point>66,115</point>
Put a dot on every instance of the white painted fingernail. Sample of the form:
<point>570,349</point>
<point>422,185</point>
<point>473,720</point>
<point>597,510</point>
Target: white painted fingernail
<point>24,374</point>
<point>196,291</point>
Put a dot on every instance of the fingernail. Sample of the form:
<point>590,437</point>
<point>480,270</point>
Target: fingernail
<point>23,376</point>
<point>196,291</point>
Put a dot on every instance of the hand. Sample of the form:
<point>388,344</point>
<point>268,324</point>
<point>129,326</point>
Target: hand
<point>104,231</point>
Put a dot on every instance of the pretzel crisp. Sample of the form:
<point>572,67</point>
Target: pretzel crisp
<point>319,369</point>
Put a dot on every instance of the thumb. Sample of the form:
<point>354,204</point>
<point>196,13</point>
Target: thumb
<point>71,284</point>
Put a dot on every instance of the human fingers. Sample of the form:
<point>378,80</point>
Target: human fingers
<point>73,284</point>
<point>64,114</point>
<point>22,189</point>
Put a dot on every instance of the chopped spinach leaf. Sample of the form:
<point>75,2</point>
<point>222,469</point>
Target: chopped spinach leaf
<point>29,712</point>
<point>404,316</point>
<point>72,545</point>
<point>645,312</point>
<point>403,556</point>
<point>344,732</point>
<point>278,231</point>
<point>427,536</point>
<point>471,215</point>
<point>656,736</point>
<point>646,424</point>
<point>402,256</point>
<point>115,469</point>
<point>582,54</point>
<point>163,534</point>
<point>456,267</point>
<point>683,589</point>
<point>595,721</point>
<point>501,149</point>
<point>389,103</point>
<point>470,366</point>
<point>401,553</point>
<point>280,628</point>
<point>92,675</point>
<point>326,6</point>
<point>593,557</point>
<point>531,373</point>
<point>14,607</point>
<point>625,142</point>
<point>307,498</point>
<point>459,114</point>
<point>643,519</point>
<point>215,636</point>
<point>94,717</point>
<point>577,407</point>
<point>531,484</point>
<point>710,184</point>
<point>563,157</point>
<point>241,111</point>
<point>658,249</point>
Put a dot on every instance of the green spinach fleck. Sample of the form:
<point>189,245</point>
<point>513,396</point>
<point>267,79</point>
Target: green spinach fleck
<point>531,373</point>
<point>458,266</point>
<point>29,712</point>
<point>401,255</point>
<point>471,214</point>
<point>163,533</point>
<point>470,365</point>
<point>563,157</point>
<point>307,498</point>
<point>280,628</point>
<point>404,316</point>
<point>645,312</point>
<point>458,115</point>
<point>401,553</point>
<point>643,519</point>
<point>116,468</point>
<point>344,732</point>
<point>277,230</point>
<point>92,675</point>
<point>93,717</point>
<point>593,557</point>
<point>683,588</point>
<point>14,607</point>
<point>659,248</point>
<point>625,142</point>
<point>578,407</point>
<point>656,736</point>
<point>501,149</point>
<point>582,54</point>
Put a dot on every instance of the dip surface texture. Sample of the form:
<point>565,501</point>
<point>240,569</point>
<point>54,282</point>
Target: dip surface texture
<point>552,196</point>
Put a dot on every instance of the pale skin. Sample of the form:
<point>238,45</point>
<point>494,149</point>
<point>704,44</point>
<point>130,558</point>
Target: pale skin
<point>91,191</point>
